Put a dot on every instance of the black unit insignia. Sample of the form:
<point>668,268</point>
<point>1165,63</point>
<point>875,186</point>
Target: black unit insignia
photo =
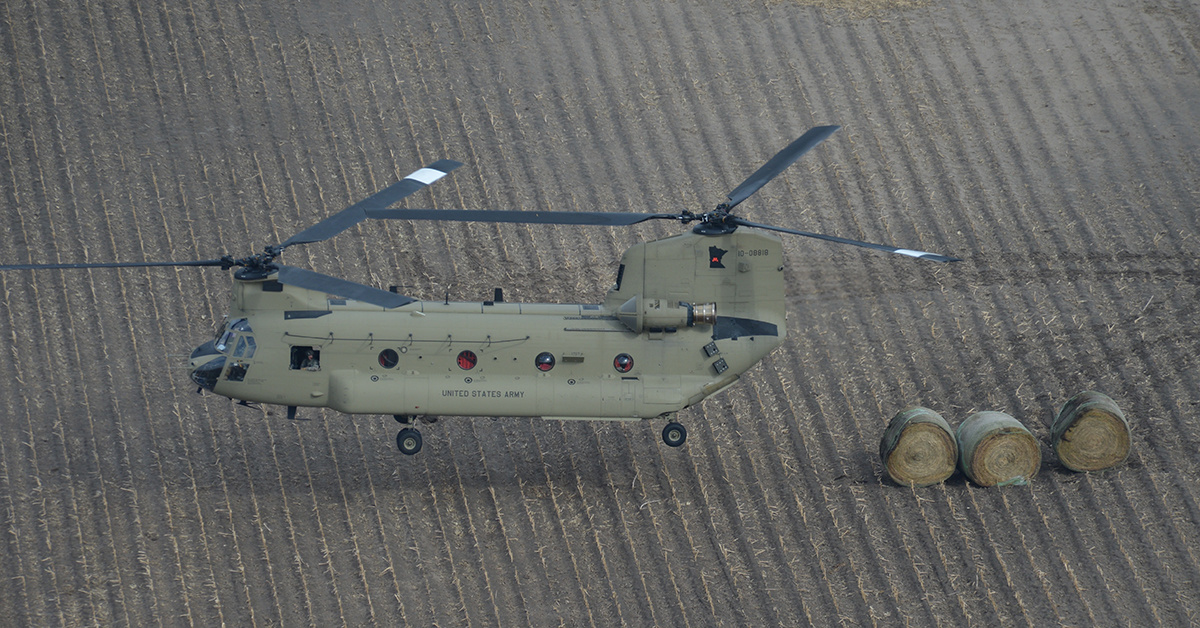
<point>714,257</point>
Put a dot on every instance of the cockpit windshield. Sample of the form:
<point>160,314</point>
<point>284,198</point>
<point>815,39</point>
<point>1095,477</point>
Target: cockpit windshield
<point>225,341</point>
<point>245,347</point>
<point>237,338</point>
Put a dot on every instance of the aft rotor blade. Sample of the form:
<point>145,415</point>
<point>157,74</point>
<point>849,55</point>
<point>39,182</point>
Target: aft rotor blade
<point>611,219</point>
<point>878,247</point>
<point>779,163</point>
<point>207,262</point>
<point>388,196</point>
<point>310,280</point>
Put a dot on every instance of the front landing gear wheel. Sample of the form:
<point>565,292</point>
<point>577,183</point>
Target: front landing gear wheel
<point>674,434</point>
<point>408,441</point>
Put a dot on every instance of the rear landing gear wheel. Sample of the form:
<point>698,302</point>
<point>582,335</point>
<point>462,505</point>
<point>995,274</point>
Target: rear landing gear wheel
<point>674,434</point>
<point>408,441</point>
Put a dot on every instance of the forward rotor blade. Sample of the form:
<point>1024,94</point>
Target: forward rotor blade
<point>878,247</point>
<point>310,280</point>
<point>355,213</point>
<point>779,163</point>
<point>611,219</point>
<point>207,262</point>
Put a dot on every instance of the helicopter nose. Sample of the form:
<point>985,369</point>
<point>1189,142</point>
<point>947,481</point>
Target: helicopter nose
<point>207,349</point>
<point>205,374</point>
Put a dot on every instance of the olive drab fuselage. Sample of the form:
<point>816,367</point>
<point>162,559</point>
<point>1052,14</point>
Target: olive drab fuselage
<point>687,316</point>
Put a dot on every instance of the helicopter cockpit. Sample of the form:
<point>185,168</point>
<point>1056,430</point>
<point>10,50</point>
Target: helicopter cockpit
<point>234,345</point>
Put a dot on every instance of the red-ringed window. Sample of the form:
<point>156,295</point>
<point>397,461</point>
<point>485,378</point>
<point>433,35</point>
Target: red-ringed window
<point>467,360</point>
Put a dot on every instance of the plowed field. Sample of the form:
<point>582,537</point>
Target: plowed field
<point>1051,144</point>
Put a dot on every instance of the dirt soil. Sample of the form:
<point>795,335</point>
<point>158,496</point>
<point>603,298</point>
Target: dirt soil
<point>1052,144</point>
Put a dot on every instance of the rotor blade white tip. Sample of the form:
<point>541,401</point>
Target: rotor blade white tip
<point>426,175</point>
<point>911,253</point>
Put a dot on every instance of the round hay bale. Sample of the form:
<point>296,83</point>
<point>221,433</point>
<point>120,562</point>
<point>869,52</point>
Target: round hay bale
<point>918,448</point>
<point>1090,433</point>
<point>996,450</point>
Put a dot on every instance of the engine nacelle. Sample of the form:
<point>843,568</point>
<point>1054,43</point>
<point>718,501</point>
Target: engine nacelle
<point>640,314</point>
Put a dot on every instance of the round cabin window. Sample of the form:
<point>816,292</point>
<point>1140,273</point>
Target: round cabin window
<point>623,363</point>
<point>544,361</point>
<point>467,360</point>
<point>388,358</point>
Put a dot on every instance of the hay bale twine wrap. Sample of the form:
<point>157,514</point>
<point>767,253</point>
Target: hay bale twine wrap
<point>918,448</point>
<point>1090,433</point>
<point>996,450</point>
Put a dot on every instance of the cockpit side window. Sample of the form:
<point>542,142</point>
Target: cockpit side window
<point>240,324</point>
<point>237,371</point>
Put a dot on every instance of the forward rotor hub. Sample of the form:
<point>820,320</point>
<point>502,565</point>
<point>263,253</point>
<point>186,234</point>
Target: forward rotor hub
<point>256,266</point>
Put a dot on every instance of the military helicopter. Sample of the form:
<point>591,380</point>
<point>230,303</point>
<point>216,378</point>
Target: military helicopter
<point>686,316</point>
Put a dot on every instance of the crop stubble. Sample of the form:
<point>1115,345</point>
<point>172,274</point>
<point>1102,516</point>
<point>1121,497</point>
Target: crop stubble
<point>1048,144</point>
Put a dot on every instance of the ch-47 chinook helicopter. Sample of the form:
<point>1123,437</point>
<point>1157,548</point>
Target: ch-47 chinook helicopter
<point>686,316</point>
